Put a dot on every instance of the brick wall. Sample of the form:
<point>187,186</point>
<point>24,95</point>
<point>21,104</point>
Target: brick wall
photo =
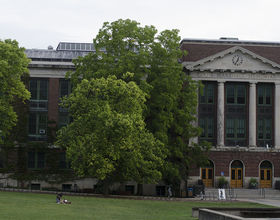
<point>53,98</point>
<point>251,162</point>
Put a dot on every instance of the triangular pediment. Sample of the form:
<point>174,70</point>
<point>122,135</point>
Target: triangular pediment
<point>235,59</point>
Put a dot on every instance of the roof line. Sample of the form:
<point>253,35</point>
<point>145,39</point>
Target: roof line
<point>228,41</point>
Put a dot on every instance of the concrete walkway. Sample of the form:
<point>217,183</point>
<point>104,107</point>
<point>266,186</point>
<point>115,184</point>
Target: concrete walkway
<point>272,202</point>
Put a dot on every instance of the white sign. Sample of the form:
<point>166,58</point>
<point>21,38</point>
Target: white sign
<point>222,194</point>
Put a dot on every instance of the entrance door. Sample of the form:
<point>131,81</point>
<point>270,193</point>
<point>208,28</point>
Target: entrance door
<point>207,176</point>
<point>266,174</point>
<point>265,178</point>
<point>236,174</point>
<point>236,178</point>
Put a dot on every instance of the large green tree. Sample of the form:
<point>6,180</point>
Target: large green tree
<point>13,64</point>
<point>124,46</point>
<point>108,138</point>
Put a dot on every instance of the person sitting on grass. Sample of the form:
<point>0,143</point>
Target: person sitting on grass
<point>59,200</point>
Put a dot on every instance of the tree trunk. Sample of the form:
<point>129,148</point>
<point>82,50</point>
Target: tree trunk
<point>105,187</point>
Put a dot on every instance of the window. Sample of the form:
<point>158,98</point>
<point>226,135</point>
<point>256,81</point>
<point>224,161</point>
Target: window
<point>36,160</point>
<point>235,128</point>
<point>208,94</point>
<point>38,89</point>
<point>35,186</point>
<point>130,188</point>
<point>63,162</point>
<point>235,94</point>
<point>64,119</point>
<point>66,186</point>
<point>264,95</point>
<point>264,129</point>
<point>65,88</point>
<point>37,124</point>
<point>207,124</point>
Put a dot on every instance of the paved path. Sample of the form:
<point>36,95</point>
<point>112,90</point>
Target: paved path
<point>272,202</point>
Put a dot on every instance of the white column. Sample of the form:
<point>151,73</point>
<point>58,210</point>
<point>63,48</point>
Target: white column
<point>276,116</point>
<point>221,115</point>
<point>252,115</point>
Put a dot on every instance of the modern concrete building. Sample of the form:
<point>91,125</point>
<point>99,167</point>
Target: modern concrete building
<point>239,110</point>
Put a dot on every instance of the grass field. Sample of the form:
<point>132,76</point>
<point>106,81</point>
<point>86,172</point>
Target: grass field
<point>22,206</point>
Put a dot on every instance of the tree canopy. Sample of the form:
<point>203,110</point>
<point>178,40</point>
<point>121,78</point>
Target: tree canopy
<point>13,64</point>
<point>153,58</point>
<point>107,137</point>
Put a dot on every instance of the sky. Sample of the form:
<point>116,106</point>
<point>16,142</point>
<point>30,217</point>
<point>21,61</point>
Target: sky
<point>40,23</point>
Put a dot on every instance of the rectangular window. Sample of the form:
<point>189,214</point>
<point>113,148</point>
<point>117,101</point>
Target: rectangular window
<point>63,162</point>
<point>202,125</point>
<point>40,160</point>
<point>210,128</point>
<point>268,95</point>
<point>268,129</point>
<point>208,94</point>
<point>233,174</point>
<point>264,129</point>
<point>260,95</point>
<point>230,94</point>
<point>210,174</point>
<point>65,88</point>
<point>230,128</point>
<point>64,119</point>
<point>36,160</point>
<point>240,128</point>
<point>38,89</point>
<point>203,173</point>
<point>207,124</point>
<point>35,186</point>
<point>66,186</point>
<point>62,46</point>
<point>264,95</point>
<point>241,94</point>
<point>235,94</point>
<point>72,46</point>
<point>235,128</point>
<point>37,124</point>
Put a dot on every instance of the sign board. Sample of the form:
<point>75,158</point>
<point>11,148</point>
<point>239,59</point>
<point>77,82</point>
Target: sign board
<point>222,194</point>
<point>222,173</point>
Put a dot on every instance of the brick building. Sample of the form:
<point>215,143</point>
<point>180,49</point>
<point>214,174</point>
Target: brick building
<point>239,110</point>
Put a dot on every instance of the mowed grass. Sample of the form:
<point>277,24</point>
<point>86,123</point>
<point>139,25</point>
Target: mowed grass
<point>14,205</point>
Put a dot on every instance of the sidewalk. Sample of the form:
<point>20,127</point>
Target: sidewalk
<point>272,202</point>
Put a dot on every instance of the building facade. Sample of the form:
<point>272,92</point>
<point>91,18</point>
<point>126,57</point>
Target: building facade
<point>47,85</point>
<point>239,109</point>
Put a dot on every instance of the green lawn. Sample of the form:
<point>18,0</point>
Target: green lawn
<point>42,206</point>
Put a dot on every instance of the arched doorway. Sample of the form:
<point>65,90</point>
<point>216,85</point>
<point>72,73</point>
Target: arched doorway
<point>207,174</point>
<point>265,174</point>
<point>236,174</point>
